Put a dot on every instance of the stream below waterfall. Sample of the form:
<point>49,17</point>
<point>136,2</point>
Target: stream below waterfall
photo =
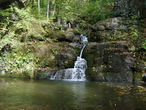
<point>16,94</point>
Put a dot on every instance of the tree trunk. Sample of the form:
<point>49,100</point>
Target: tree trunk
<point>32,3</point>
<point>39,7</point>
<point>48,8</point>
<point>50,5</point>
<point>59,21</point>
<point>54,9</point>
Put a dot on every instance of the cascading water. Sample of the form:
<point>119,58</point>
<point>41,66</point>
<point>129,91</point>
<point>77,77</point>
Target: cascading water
<point>78,72</point>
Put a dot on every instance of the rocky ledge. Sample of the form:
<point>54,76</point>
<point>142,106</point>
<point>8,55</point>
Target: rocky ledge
<point>109,61</point>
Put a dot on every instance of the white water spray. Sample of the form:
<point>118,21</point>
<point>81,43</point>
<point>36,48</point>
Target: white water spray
<point>78,72</point>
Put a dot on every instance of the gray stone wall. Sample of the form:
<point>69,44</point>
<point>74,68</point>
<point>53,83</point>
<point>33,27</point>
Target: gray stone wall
<point>109,62</point>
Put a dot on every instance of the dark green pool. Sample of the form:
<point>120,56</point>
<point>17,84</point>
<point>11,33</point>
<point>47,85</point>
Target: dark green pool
<point>18,94</point>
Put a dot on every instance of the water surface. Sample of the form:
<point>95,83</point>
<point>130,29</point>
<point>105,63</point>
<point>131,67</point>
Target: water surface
<point>16,94</point>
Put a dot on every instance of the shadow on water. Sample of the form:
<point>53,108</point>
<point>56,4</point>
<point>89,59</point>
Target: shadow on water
<point>18,94</point>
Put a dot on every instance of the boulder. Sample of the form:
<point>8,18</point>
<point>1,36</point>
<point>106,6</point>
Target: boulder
<point>72,36</point>
<point>110,61</point>
<point>43,74</point>
<point>66,57</point>
<point>69,36</point>
<point>100,27</point>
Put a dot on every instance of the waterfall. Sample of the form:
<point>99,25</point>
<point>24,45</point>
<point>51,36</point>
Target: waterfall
<point>84,42</point>
<point>78,72</point>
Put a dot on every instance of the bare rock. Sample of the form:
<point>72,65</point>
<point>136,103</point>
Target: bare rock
<point>109,61</point>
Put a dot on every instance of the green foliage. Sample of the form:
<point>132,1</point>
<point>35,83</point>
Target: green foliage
<point>134,34</point>
<point>19,61</point>
<point>4,19</point>
<point>98,9</point>
<point>143,44</point>
<point>137,39</point>
<point>114,37</point>
<point>24,14</point>
<point>8,39</point>
<point>6,12</point>
<point>74,9</point>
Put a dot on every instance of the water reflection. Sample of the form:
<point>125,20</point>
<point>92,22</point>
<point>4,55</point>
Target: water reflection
<point>55,95</point>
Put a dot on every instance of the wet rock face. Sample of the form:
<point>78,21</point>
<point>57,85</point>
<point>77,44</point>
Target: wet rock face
<point>109,62</point>
<point>66,57</point>
<point>129,8</point>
